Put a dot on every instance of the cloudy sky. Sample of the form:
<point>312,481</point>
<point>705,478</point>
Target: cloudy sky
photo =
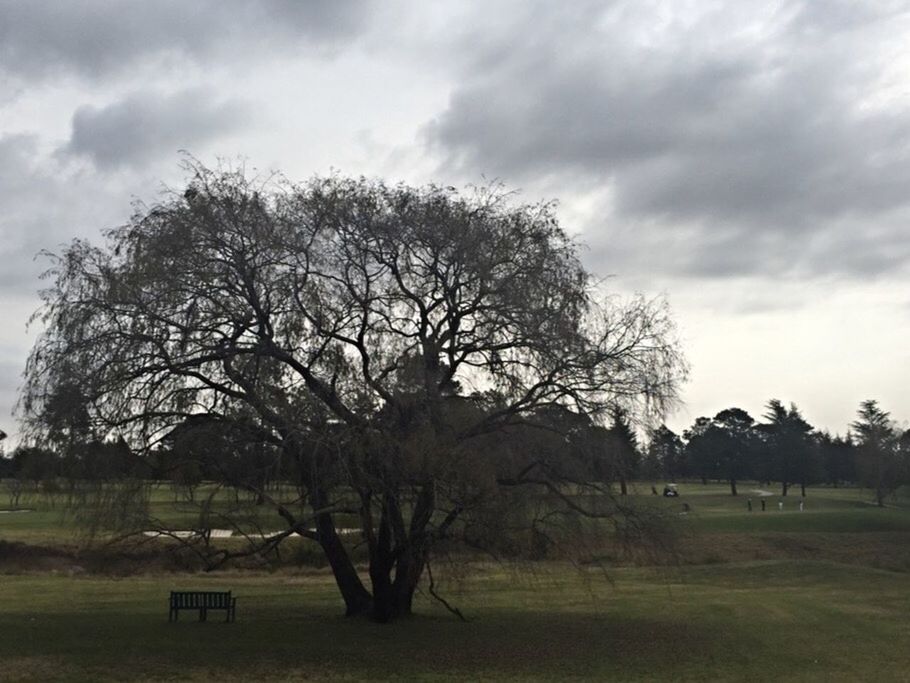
<point>751,160</point>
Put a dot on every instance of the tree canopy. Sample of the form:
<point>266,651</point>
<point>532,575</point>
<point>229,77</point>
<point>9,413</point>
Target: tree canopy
<point>386,340</point>
<point>792,454</point>
<point>722,446</point>
<point>880,463</point>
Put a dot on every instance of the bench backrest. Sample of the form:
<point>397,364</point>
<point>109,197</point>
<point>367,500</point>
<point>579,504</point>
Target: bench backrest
<point>200,599</point>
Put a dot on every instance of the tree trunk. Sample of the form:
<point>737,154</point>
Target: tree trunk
<point>381,567</point>
<point>784,487</point>
<point>357,599</point>
<point>393,599</point>
<point>623,489</point>
<point>733,487</point>
<point>802,487</point>
<point>407,575</point>
<point>400,548</point>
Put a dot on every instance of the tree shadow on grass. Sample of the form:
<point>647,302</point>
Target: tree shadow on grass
<point>107,644</point>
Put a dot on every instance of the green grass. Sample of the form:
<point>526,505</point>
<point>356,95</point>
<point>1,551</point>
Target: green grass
<point>834,521</point>
<point>44,525</point>
<point>751,601</point>
<point>759,621</point>
<point>50,520</point>
<point>712,507</point>
<point>841,510</point>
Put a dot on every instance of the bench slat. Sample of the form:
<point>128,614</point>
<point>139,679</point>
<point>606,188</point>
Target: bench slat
<point>202,601</point>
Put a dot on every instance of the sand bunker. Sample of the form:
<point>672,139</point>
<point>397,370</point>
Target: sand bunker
<point>228,533</point>
<point>344,531</point>
<point>190,533</point>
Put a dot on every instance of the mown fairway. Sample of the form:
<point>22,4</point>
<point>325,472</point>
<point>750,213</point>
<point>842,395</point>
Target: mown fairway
<point>822,594</point>
<point>824,510</point>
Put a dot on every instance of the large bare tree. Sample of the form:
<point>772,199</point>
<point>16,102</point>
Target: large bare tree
<point>394,343</point>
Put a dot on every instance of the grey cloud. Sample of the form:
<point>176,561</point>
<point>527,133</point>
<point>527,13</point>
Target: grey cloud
<point>46,203</point>
<point>95,38</point>
<point>22,190</point>
<point>17,152</point>
<point>754,132</point>
<point>145,125</point>
<point>10,376</point>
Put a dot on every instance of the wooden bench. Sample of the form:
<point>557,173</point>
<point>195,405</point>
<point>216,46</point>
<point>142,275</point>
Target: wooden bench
<point>203,601</point>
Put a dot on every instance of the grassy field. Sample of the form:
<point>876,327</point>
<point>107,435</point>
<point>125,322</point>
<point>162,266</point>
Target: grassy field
<point>817,595</point>
<point>755,621</point>
<point>824,510</point>
<point>48,519</point>
<point>712,509</point>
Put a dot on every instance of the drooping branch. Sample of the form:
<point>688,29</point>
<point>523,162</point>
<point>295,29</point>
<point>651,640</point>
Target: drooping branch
<point>388,345</point>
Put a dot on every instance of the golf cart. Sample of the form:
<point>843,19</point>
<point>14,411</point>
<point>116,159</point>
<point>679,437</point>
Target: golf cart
<point>670,491</point>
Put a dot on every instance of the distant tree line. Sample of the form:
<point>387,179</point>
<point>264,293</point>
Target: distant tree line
<point>195,452</point>
<point>784,449</point>
<point>781,449</point>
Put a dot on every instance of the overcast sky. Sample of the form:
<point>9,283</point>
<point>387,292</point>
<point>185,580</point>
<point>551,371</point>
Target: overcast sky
<point>749,159</point>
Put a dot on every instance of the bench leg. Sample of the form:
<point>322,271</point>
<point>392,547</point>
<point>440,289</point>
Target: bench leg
<point>230,614</point>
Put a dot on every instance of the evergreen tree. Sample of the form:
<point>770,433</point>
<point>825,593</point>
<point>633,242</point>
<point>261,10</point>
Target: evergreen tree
<point>623,448</point>
<point>792,452</point>
<point>837,456</point>
<point>698,453</point>
<point>667,450</point>
<point>879,461</point>
<point>722,447</point>
<point>735,444</point>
